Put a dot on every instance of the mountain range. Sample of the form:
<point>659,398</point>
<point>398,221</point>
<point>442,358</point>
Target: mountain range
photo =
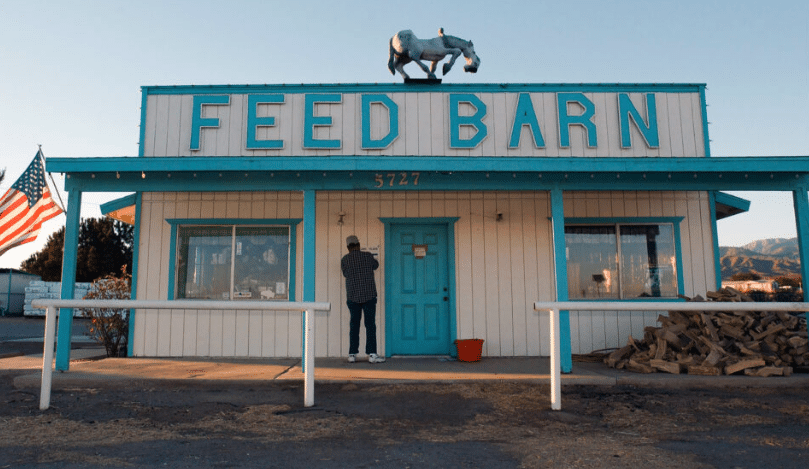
<point>770,258</point>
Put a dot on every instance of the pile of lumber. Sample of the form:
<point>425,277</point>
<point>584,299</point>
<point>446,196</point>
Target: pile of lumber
<point>716,343</point>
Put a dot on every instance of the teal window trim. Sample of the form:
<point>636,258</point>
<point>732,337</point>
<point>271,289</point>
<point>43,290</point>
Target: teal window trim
<point>198,122</point>
<point>525,116</point>
<point>475,120</point>
<point>674,221</point>
<point>648,128</point>
<point>253,121</point>
<point>393,130</point>
<point>310,121</point>
<point>585,119</point>
<point>451,273</point>
<point>175,223</point>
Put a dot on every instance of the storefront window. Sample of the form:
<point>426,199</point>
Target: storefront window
<point>621,261</point>
<point>233,262</point>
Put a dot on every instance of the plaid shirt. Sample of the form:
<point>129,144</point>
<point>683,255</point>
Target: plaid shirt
<point>358,269</point>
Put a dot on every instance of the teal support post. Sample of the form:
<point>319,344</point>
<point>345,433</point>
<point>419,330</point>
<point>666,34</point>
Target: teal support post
<point>800,198</point>
<point>717,261</point>
<point>309,261</point>
<point>130,347</point>
<point>560,266</point>
<point>68,278</point>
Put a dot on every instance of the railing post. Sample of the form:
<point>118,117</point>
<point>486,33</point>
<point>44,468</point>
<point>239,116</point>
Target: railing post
<point>309,360</point>
<point>47,358</point>
<point>556,372</point>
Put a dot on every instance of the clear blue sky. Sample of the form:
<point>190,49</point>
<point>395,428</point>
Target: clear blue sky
<point>70,72</point>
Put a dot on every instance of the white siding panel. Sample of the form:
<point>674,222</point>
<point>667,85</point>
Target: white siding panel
<point>501,268</point>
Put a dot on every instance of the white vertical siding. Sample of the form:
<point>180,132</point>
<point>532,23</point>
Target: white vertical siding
<point>501,267</point>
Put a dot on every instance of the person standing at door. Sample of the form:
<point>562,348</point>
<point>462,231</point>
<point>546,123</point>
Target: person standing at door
<point>358,268</point>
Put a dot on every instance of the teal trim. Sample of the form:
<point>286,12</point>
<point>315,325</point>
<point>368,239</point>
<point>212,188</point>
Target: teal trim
<point>728,167</point>
<point>253,121</point>
<point>197,121</point>
<point>737,203</point>
<point>674,221</point>
<point>585,119</point>
<point>614,220</point>
<point>801,205</point>
<point>705,136</point>
<point>309,245</point>
<point>310,120</point>
<point>525,116</point>
<point>142,132</point>
<point>560,269</point>
<point>173,274</point>
<point>292,223</point>
<point>69,258</point>
<point>717,261</point>
<point>130,343</point>
<point>393,113</point>
<point>309,261</point>
<point>445,87</point>
<point>475,120</point>
<point>119,203</point>
<point>627,110</point>
<point>451,272</point>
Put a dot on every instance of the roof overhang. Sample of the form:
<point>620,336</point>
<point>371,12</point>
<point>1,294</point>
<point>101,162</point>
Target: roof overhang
<point>728,205</point>
<point>121,209</point>
<point>135,174</point>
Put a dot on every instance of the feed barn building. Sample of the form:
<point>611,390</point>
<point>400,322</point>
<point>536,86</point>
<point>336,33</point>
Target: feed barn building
<point>478,199</point>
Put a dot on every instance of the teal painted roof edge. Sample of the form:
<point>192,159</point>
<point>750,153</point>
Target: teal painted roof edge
<point>741,165</point>
<point>732,201</point>
<point>422,88</point>
<point>119,203</point>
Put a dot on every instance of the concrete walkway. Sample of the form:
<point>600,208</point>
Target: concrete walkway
<point>89,368</point>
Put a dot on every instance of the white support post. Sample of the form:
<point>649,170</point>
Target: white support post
<point>556,368</point>
<point>309,360</point>
<point>47,358</point>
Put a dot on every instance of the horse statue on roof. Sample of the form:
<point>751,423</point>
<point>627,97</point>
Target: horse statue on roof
<point>405,47</point>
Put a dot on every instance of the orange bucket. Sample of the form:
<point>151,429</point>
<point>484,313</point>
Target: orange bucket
<point>469,350</point>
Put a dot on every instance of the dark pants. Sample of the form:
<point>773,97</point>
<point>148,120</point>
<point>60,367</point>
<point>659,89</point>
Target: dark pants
<point>370,326</point>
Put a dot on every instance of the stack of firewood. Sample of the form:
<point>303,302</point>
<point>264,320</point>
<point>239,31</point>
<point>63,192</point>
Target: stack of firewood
<point>716,343</point>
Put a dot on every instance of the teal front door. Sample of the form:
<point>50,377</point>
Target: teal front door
<point>417,318</point>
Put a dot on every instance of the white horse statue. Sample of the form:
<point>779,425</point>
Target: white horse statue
<point>405,47</point>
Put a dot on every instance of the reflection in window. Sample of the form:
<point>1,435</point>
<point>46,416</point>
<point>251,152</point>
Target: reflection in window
<point>621,261</point>
<point>233,262</point>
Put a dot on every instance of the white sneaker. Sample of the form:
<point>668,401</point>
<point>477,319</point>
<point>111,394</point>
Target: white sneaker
<point>374,358</point>
<point>352,358</point>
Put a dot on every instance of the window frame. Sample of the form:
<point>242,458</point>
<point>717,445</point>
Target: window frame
<point>290,223</point>
<point>617,222</point>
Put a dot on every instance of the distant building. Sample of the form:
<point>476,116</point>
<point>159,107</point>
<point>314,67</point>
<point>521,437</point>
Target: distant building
<point>12,290</point>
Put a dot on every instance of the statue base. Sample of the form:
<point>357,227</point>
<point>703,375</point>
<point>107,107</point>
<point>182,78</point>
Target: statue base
<point>422,81</point>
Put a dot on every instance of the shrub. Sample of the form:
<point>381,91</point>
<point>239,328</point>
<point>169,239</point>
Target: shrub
<point>110,327</point>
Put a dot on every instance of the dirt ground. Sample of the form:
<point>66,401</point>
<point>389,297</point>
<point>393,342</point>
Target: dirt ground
<point>491,425</point>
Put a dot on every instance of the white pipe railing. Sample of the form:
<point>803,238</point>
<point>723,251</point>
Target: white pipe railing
<point>556,306</point>
<point>307,308</point>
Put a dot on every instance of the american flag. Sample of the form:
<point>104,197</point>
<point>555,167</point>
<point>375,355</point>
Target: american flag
<point>25,207</point>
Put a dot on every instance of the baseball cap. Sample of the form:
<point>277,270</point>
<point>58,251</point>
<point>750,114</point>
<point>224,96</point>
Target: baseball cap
<point>352,240</point>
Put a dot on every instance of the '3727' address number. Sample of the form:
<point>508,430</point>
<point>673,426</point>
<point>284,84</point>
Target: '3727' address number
<point>396,179</point>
